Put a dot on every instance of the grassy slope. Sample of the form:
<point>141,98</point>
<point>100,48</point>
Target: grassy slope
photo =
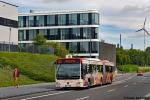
<point>6,78</point>
<point>36,67</point>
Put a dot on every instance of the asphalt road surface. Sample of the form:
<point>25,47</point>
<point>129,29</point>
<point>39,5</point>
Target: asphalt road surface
<point>125,87</point>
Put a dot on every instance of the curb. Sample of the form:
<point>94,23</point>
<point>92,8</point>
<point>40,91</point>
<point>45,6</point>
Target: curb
<point>27,93</point>
<point>7,97</point>
<point>51,83</point>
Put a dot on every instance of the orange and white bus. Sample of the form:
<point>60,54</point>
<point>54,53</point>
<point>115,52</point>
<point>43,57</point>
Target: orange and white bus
<point>83,72</point>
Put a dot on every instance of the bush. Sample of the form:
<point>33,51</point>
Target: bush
<point>128,68</point>
<point>144,69</point>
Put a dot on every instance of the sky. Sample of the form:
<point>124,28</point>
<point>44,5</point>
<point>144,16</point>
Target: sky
<point>116,17</point>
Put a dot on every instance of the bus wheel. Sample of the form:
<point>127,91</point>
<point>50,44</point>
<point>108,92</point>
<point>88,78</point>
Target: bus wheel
<point>89,83</point>
<point>101,82</point>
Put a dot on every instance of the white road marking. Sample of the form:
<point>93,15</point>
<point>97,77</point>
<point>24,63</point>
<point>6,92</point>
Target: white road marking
<point>111,90</point>
<point>83,98</point>
<point>45,95</point>
<point>126,86</point>
<point>146,96</point>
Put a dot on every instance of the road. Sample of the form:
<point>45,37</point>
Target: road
<point>126,87</point>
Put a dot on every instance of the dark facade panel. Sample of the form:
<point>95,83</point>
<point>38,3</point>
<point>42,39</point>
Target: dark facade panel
<point>59,20</point>
<point>65,33</point>
<point>8,22</point>
<point>107,52</point>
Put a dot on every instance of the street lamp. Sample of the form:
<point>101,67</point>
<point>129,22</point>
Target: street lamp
<point>9,38</point>
<point>90,36</point>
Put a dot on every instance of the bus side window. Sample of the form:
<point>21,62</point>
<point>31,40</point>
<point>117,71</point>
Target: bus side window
<point>107,68</point>
<point>84,70</point>
<point>111,69</point>
<point>101,69</point>
<point>90,69</point>
<point>96,68</point>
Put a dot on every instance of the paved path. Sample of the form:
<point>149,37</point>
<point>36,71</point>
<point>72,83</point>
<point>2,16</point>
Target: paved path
<point>26,89</point>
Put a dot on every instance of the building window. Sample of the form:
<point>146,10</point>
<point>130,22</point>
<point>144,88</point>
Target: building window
<point>8,22</point>
<point>95,18</point>
<point>61,20</point>
<point>84,19</point>
<point>39,20</point>
<point>64,34</point>
<point>21,35</point>
<point>53,34</point>
<point>20,21</point>
<point>27,21</point>
<point>94,47</point>
<point>72,19</point>
<point>73,47</point>
<point>32,34</point>
<point>86,33</point>
<point>94,33</point>
<point>51,20</point>
<point>43,32</point>
<point>75,33</point>
<point>84,48</point>
<point>31,21</point>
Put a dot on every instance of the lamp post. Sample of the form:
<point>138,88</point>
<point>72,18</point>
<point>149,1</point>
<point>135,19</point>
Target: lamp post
<point>90,36</point>
<point>90,41</point>
<point>9,39</point>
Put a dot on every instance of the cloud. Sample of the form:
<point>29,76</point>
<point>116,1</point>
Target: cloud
<point>62,1</point>
<point>134,10</point>
<point>49,1</point>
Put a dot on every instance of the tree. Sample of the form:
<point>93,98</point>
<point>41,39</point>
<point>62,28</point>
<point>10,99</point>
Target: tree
<point>39,40</point>
<point>59,49</point>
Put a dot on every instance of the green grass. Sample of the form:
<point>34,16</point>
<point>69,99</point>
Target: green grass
<point>6,78</point>
<point>144,69</point>
<point>33,67</point>
<point>128,68</point>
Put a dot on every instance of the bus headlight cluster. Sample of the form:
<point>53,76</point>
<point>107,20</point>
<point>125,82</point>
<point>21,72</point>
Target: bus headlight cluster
<point>57,84</point>
<point>78,83</point>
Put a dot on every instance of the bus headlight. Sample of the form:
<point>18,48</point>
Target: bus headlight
<point>57,84</point>
<point>78,83</point>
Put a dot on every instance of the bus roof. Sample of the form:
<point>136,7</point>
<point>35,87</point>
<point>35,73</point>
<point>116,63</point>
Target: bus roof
<point>89,61</point>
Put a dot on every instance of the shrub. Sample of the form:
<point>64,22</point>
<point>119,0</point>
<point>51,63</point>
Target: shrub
<point>128,68</point>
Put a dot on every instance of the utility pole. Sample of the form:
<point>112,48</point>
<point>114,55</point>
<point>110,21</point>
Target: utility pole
<point>90,35</point>
<point>144,41</point>
<point>9,38</point>
<point>120,40</point>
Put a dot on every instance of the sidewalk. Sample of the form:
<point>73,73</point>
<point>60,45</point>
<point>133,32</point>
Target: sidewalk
<point>7,92</point>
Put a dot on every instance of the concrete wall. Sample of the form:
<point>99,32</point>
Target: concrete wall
<point>5,32</point>
<point>10,12</point>
<point>107,52</point>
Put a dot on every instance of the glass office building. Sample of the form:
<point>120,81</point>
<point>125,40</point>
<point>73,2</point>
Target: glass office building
<point>78,31</point>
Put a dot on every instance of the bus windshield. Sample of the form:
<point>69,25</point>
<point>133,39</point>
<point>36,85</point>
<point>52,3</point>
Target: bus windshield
<point>68,71</point>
